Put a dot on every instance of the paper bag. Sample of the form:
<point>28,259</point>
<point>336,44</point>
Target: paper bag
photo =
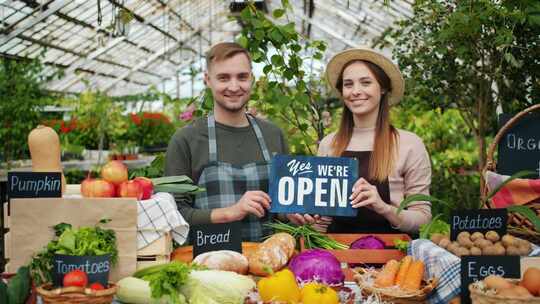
<point>31,222</point>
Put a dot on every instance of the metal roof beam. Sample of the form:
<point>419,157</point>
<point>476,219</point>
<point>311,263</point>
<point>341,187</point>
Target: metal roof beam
<point>326,30</point>
<point>46,44</point>
<point>63,66</point>
<point>53,8</point>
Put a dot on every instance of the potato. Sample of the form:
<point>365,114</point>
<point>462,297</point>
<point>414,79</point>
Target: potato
<point>513,250</point>
<point>483,243</point>
<point>477,235</point>
<point>524,251</point>
<point>436,237</point>
<point>492,236</point>
<point>525,244</point>
<point>444,242</point>
<point>499,249</point>
<point>464,234</point>
<point>509,240</point>
<point>461,251</point>
<point>464,239</point>
<point>476,251</point>
<point>489,250</point>
<point>453,247</point>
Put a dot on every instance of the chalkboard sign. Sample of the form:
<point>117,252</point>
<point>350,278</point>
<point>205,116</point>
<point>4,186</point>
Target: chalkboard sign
<point>478,220</point>
<point>519,149</point>
<point>214,237</point>
<point>314,185</point>
<point>475,268</point>
<point>34,184</point>
<point>97,268</point>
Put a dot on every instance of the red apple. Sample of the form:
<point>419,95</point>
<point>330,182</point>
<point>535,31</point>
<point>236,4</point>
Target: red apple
<point>131,189</point>
<point>147,186</point>
<point>86,187</point>
<point>115,172</point>
<point>97,188</point>
<point>103,188</point>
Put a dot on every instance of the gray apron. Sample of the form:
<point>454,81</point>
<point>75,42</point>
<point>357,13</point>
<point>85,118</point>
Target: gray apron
<point>226,183</point>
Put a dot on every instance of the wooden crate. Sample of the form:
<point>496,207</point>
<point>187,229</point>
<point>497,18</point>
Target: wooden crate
<point>161,246</point>
<point>364,256</point>
<point>152,260</point>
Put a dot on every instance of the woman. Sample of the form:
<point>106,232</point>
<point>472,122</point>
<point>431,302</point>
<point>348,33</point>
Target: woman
<point>393,163</point>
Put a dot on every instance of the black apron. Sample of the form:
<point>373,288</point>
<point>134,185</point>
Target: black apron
<point>367,220</point>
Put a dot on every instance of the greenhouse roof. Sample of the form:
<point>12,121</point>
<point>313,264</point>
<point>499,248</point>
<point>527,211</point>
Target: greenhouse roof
<point>123,47</point>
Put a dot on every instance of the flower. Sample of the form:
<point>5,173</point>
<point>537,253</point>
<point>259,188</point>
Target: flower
<point>187,115</point>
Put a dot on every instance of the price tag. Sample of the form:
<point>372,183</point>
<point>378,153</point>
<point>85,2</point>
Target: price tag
<point>478,220</point>
<point>476,268</point>
<point>214,237</point>
<point>34,184</point>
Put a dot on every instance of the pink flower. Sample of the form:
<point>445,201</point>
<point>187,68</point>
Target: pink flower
<point>187,115</point>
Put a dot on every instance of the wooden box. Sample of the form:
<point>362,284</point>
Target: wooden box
<point>364,256</point>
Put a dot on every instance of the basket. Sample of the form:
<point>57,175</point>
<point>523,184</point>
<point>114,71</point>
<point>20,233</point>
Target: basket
<point>480,297</point>
<point>518,225</point>
<point>76,295</point>
<point>365,277</point>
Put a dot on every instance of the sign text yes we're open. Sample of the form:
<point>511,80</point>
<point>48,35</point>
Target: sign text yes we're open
<point>314,185</point>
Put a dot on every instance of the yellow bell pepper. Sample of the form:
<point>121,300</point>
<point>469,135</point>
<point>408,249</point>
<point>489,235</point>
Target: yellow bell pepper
<point>315,293</point>
<point>281,286</point>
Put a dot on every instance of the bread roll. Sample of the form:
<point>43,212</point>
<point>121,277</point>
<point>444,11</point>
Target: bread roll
<point>223,260</point>
<point>274,254</point>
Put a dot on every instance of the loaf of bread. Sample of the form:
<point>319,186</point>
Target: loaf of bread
<point>274,254</point>
<point>226,260</point>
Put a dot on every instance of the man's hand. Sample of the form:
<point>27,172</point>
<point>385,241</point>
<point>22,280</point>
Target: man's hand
<point>299,219</point>
<point>254,202</point>
<point>322,223</point>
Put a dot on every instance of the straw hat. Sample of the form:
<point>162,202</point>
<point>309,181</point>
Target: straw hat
<point>335,66</point>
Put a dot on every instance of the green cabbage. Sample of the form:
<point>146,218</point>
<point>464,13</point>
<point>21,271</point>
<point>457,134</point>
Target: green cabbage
<point>216,287</point>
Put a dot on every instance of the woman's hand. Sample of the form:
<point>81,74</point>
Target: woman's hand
<point>365,194</point>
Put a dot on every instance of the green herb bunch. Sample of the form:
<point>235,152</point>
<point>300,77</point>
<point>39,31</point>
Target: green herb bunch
<point>85,241</point>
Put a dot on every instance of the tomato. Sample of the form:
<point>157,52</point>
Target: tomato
<point>75,278</point>
<point>96,286</point>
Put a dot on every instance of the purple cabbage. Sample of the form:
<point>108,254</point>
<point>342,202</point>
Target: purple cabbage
<point>317,265</point>
<point>368,242</point>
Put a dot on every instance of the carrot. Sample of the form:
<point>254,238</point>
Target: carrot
<point>414,276</point>
<point>403,268</point>
<point>386,277</point>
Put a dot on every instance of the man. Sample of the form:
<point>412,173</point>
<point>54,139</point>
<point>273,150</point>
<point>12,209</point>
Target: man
<point>229,152</point>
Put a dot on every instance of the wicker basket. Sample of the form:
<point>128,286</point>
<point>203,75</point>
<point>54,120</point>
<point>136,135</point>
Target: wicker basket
<point>76,295</point>
<point>518,225</point>
<point>480,297</point>
<point>364,278</point>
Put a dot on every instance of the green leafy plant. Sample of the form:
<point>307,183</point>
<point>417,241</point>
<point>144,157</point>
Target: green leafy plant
<point>471,56</point>
<point>85,241</point>
<point>286,93</point>
<point>22,95</point>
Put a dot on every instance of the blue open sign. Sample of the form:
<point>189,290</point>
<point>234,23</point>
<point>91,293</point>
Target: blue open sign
<point>314,185</point>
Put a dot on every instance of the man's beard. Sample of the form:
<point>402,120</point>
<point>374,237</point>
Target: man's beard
<point>235,108</point>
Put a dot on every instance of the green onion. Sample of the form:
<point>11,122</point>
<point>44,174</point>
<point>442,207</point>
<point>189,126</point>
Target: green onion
<point>312,238</point>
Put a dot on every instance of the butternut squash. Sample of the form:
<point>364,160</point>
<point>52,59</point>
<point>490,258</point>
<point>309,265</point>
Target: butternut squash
<point>44,146</point>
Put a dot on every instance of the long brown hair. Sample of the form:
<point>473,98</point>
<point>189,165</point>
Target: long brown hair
<point>383,156</point>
